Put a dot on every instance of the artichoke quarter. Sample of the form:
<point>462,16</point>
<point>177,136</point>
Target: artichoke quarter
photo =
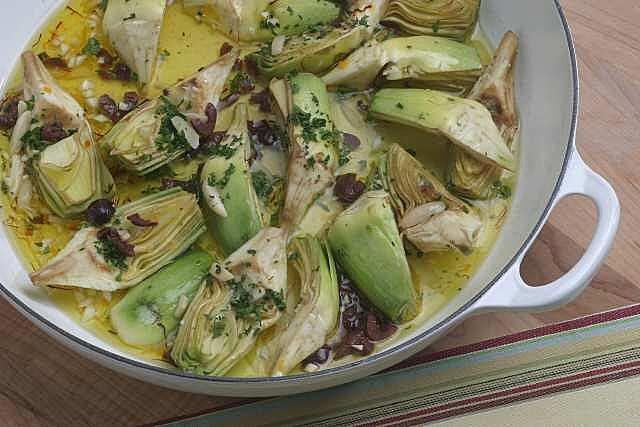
<point>259,20</point>
<point>432,62</point>
<point>313,153</point>
<point>466,123</point>
<point>496,90</point>
<point>367,244</point>
<point>320,48</point>
<point>430,217</point>
<point>133,28</point>
<point>245,296</point>
<point>59,144</point>
<point>307,325</point>
<point>141,238</point>
<point>454,19</point>
<point>161,130</point>
<point>236,212</point>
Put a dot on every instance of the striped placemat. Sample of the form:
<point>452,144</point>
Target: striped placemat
<point>558,358</point>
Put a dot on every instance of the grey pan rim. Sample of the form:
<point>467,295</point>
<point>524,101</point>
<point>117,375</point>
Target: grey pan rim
<point>371,360</point>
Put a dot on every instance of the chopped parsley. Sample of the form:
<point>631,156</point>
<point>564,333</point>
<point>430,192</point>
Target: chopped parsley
<point>501,190</point>
<point>262,184</point>
<point>92,47</point>
<point>222,182</point>
<point>33,139</point>
<point>251,309</point>
<point>111,254</point>
<point>169,139</point>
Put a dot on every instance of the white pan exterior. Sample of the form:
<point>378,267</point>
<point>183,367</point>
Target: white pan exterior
<point>550,168</point>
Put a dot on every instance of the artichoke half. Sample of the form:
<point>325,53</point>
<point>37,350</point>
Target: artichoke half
<point>69,173</point>
<point>312,311</point>
<point>143,237</point>
<point>454,19</point>
<point>260,20</point>
<point>151,311</point>
<point>319,49</point>
<point>432,62</point>
<point>160,130</point>
<point>246,295</point>
<point>133,28</point>
<point>313,155</point>
<point>496,91</point>
<point>430,217</point>
<point>466,123</point>
<point>367,244</point>
<point>236,212</point>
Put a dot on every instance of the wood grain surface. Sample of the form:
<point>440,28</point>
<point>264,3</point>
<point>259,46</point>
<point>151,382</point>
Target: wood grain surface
<point>45,384</point>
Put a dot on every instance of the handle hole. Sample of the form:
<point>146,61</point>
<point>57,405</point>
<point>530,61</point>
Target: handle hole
<point>562,241</point>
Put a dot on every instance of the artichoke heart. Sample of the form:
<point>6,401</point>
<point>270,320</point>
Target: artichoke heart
<point>466,123</point>
<point>307,325</point>
<point>133,28</point>
<point>432,62</point>
<point>454,19</point>
<point>225,318</point>
<point>260,20</point>
<point>431,218</point>
<point>313,156</point>
<point>496,91</point>
<point>367,244</point>
<point>236,212</point>
<point>152,310</point>
<point>160,131</point>
<point>319,49</point>
<point>122,254</point>
<point>69,173</point>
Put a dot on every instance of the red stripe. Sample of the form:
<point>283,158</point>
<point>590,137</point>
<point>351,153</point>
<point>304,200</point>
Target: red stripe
<point>521,336</point>
<point>546,387</point>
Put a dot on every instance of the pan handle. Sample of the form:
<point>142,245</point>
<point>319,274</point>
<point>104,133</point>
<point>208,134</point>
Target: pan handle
<point>511,293</point>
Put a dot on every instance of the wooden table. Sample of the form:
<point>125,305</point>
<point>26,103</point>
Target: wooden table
<point>43,383</point>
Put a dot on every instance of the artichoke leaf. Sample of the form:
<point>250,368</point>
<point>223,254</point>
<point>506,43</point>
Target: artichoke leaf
<point>319,49</point>
<point>454,19</point>
<point>466,123</point>
<point>133,28</point>
<point>225,319</point>
<point>236,212</point>
<point>94,262</point>
<point>262,20</point>
<point>147,138</point>
<point>313,156</point>
<point>381,272</point>
<point>433,62</point>
<point>496,91</point>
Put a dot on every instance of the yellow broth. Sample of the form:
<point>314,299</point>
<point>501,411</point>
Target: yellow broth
<point>185,46</point>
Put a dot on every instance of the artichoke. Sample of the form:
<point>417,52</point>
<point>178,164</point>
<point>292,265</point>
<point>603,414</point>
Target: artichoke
<point>133,28</point>
<point>454,19</point>
<point>466,123</point>
<point>313,156</point>
<point>320,48</point>
<point>367,244</point>
<point>160,130</point>
<point>307,326</point>
<point>496,91</point>
<point>228,191</point>
<point>141,238</point>
<point>260,20</point>
<point>431,218</point>
<point>59,144</point>
<point>430,61</point>
<point>152,310</point>
<point>246,296</point>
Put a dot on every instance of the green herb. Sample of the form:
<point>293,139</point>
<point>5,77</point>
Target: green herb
<point>501,190</point>
<point>169,139</point>
<point>222,182</point>
<point>240,82</point>
<point>31,103</point>
<point>111,254</point>
<point>262,184</point>
<point>164,54</point>
<point>92,47</point>
<point>33,139</point>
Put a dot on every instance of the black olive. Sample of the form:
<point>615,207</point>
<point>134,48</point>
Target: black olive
<point>348,189</point>
<point>100,212</point>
